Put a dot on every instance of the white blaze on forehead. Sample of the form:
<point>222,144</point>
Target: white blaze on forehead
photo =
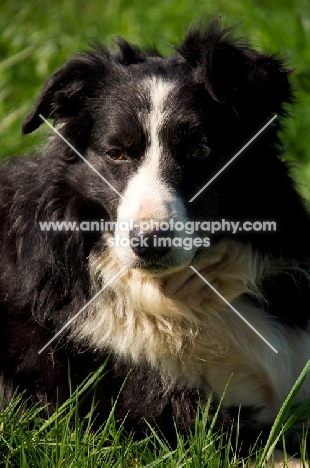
<point>150,197</point>
<point>159,92</point>
<point>147,194</point>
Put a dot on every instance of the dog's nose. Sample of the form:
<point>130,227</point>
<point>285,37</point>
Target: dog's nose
<point>145,242</point>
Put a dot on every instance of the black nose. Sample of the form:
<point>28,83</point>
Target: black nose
<point>146,242</point>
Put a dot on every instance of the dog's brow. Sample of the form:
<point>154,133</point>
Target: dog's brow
<point>233,158</point>
<point>82,157</point>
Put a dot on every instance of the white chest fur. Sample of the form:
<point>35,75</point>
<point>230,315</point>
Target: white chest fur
<point>179,326</point>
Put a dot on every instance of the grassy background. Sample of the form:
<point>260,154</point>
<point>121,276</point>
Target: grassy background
<point>38,36</point>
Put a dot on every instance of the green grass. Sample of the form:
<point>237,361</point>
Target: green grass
<point>28,440</point>
<point>36,38</point>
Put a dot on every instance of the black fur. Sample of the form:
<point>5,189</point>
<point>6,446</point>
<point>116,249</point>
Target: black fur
<point>227,91</point>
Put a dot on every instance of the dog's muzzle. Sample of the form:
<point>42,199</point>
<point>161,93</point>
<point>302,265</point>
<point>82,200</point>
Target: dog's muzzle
<point>150,242</point>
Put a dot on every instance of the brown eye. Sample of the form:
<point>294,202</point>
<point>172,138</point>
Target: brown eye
<point>201,152</point>
<point>117,155</point>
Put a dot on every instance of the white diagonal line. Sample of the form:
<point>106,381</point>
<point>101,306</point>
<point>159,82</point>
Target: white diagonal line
<point>233,158</point>
<point>81,310</point>
<point>82,157</point>
<point>235,310</point>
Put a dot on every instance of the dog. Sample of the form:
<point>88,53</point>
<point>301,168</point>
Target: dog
<point>161,152</point>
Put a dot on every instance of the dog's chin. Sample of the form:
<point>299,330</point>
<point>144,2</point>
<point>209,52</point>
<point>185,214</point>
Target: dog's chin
<point>159,270</point>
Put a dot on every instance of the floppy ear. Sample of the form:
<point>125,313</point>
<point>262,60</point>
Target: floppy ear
<point>66,90</point>
<point>234,74</point>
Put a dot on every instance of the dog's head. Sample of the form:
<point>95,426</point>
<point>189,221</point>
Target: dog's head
<point>158,130</point>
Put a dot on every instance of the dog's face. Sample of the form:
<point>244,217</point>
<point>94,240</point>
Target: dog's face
<point>143,145</point>
<point>157,130</point>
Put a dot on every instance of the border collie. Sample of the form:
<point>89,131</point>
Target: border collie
<point>149,146</point>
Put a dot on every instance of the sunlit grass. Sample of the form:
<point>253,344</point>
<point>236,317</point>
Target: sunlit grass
<point>28,439</point>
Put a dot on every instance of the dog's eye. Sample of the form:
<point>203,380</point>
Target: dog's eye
<point>117,155</point>
<point>200,152</point>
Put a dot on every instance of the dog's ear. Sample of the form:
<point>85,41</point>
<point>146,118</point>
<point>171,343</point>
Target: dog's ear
<point>234,74</point>
<point>66,90</point>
